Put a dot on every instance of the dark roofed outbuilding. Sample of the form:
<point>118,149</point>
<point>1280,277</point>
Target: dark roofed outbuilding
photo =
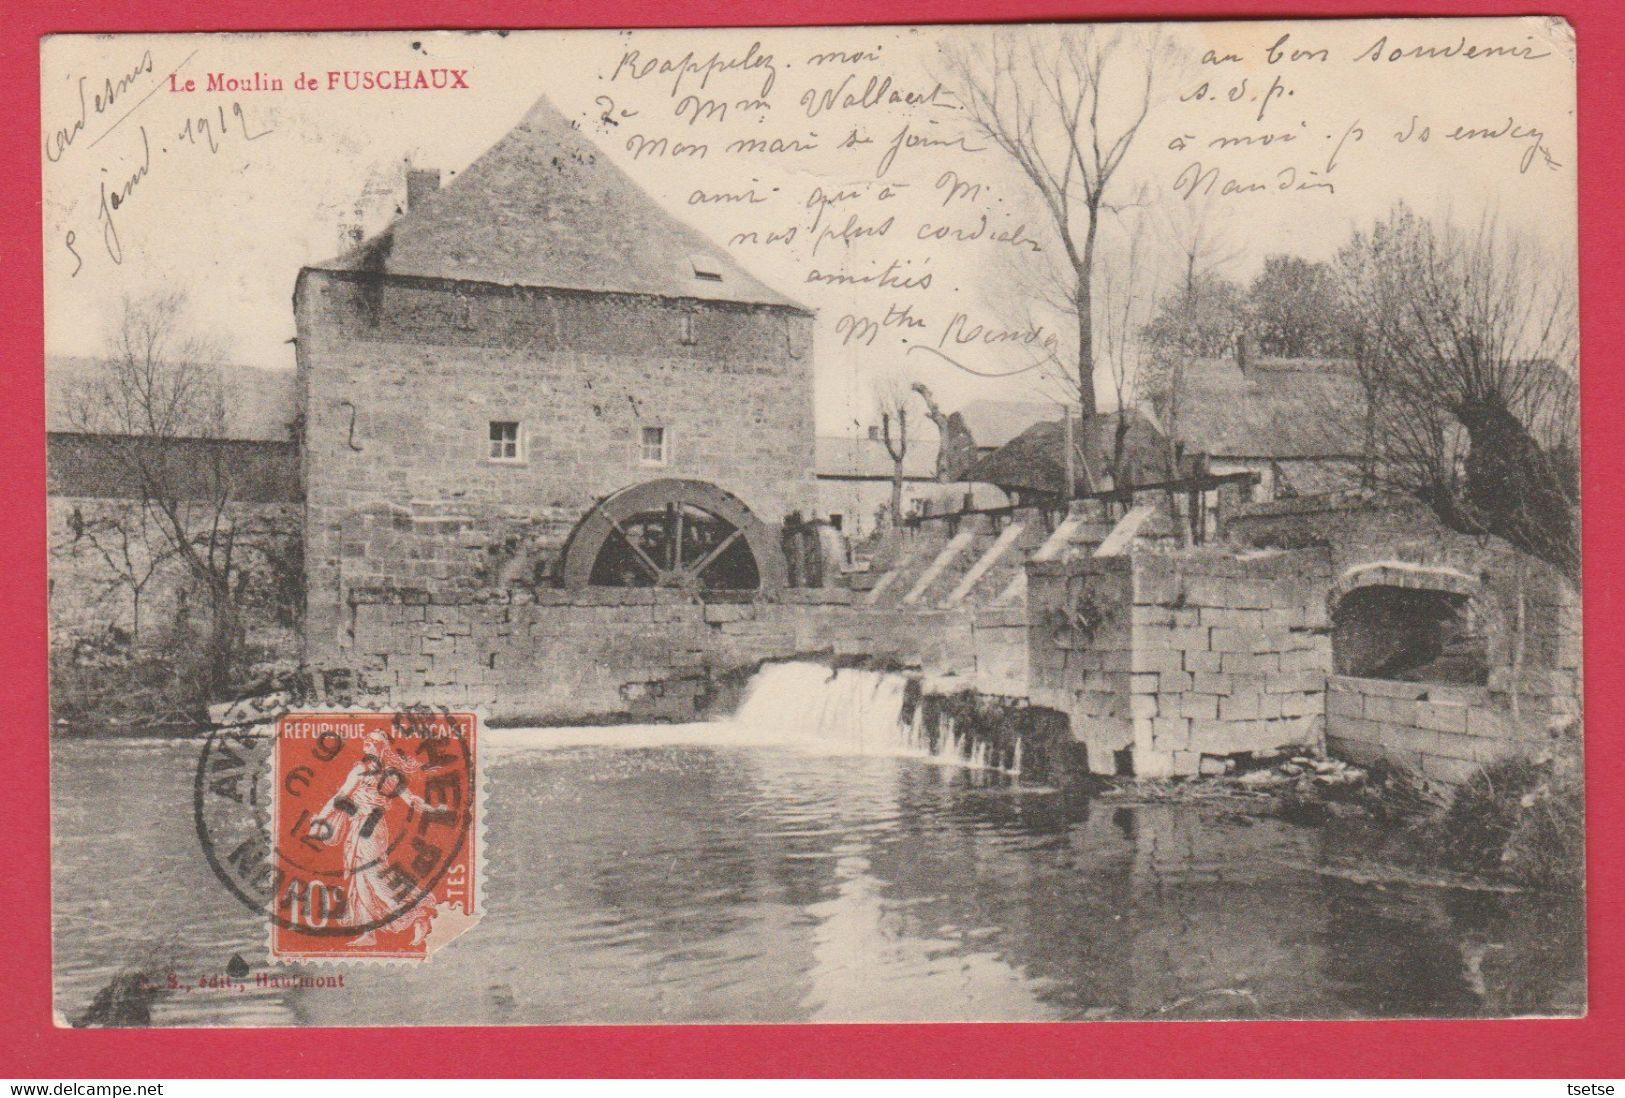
<point>1034,462</point>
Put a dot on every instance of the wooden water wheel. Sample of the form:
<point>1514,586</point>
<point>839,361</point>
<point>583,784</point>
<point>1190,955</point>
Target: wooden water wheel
<point>673,533</point>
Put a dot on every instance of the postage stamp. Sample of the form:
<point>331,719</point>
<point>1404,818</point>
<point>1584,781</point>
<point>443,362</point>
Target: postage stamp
<point>355,833</point>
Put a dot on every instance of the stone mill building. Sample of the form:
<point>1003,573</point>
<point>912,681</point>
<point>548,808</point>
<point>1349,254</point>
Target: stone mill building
<point>552,437</point>
<point>537,377</point>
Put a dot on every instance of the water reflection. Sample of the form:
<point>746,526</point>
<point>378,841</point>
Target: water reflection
<point>680,876</point>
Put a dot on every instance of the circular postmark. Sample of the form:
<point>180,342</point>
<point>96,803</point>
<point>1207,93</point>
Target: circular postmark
<point>342,825</point>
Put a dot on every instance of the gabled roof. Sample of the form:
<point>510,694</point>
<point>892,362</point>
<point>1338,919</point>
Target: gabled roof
<point>260,403</point>
<point>992,423</point>
<point>1275,408</point>
<point>1035,460</point>
<point>861,457</point>
<point>544,207</point>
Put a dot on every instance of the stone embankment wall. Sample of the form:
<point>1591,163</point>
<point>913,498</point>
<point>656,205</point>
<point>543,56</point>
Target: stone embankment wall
<point>1162,658</point>
<point>1446,733</point>
<point>606,654</point>
<point>1529,619</point>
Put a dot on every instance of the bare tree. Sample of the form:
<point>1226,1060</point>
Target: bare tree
<point>1123,298</point>
<point>1201,314</point>
<point>156,394</point>
<point>956,449</point>
<point>1465,341</point>
<point>129,546</point>
<point>892,398</point>
<point>1066,106</point>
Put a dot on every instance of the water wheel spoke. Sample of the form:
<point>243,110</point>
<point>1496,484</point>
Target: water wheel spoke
<point>672,533</point>
<point>674,536</point>
<point>698,568</point>
<point>655,571</point>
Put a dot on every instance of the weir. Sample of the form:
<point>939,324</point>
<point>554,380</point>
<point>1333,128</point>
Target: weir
<point>869,712</point>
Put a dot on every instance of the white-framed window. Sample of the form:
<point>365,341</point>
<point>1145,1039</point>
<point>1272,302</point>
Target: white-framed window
<point>685,330</point>
<point>654,446</point>
<point>506,441</point>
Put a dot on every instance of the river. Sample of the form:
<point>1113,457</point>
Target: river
<point>724,873</point>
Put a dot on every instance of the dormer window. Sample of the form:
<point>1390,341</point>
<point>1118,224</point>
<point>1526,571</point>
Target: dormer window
<point>706,269</point>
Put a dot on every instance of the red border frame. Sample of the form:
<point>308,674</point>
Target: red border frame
<point>1593,1046</point>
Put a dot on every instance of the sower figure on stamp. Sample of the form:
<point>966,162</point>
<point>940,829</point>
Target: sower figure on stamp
<point>359,809</point>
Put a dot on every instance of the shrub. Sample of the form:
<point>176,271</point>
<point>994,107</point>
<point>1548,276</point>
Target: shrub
<point>1522,818</point>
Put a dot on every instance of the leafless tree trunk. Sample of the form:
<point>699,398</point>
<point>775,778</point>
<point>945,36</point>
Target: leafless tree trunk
<point>1066,106</point>
<point>1200,247</point>
<point>892,395</point>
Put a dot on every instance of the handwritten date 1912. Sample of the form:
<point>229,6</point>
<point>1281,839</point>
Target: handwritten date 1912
<point>116,188</point>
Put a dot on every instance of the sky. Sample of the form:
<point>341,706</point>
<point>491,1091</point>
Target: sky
<point>913,235</point>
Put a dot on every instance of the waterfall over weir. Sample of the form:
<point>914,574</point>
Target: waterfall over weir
<point>867,713</point>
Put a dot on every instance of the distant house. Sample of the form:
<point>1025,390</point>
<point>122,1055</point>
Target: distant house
<point>855,477</point>
<point>1297,423</point>
<point>1032,465</point>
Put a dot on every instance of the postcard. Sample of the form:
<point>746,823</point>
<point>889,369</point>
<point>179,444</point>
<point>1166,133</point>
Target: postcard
<point>1064,522</point>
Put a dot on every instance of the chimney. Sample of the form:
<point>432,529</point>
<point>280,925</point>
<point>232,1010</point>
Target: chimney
<point>420,184</point>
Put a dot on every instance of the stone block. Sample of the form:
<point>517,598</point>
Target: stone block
<point>1171,733</point>
<point>1489,723</point>
<point>1208,591</point>
<point>1295,682</point>
<point>1156,658</point>
<point>1234,640</point>
<point>1390,710</point>
<point>1249,663</point>
<point>1204,682</point>
<point>1297,705</point>
<point>1201,661</point>
<point>1190,640</point>
<point>1174,682</point>
<point>1441,717</point>
<point>1186,764</point>
<point>1215,737</point>
<point>1240,706</point>
<point>1199,706</point>
<point>1455,695</point>
<point>1153,616</point>
<point>1153,764</point>
<point>1143,706</point>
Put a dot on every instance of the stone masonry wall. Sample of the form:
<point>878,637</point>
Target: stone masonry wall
<point>1529,616</point>
<point>1161,658</point>
<point>1446,733</point>
<point>1081,654</point>
<point>400,379</point>
<point>608,654</point>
